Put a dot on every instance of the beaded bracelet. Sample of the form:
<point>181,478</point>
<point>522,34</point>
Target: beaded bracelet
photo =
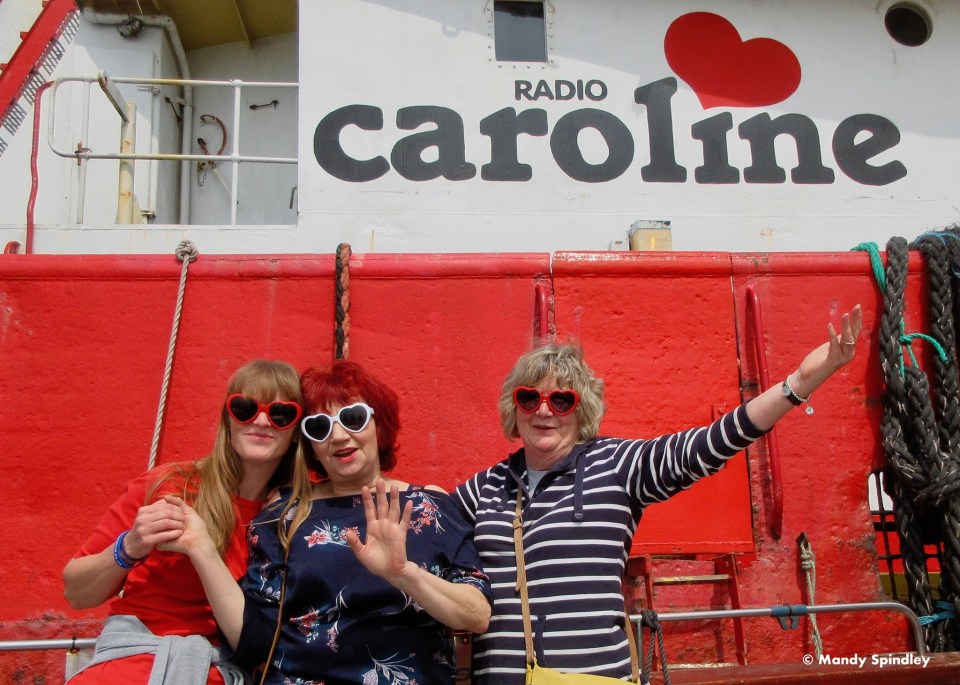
<point>124,560</point>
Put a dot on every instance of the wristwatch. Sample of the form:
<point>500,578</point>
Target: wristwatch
<point>791,395</point>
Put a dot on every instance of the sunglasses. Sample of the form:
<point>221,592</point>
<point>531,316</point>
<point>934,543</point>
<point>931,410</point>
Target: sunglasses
<point>353,418</point>
<point>281,415</point>
<point>560,402</point>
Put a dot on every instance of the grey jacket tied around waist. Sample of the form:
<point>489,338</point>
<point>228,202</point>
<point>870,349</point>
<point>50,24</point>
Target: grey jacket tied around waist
<point>178,660</point>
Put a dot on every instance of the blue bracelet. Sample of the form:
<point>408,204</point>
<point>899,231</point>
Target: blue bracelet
<point>124,561</point>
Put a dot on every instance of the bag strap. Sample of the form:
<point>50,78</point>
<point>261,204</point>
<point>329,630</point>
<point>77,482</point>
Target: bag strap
<point>522,582</point>
<point>525,600</point>
<point>463,647</point>
<point>632,640</point>
<point>283,589</point>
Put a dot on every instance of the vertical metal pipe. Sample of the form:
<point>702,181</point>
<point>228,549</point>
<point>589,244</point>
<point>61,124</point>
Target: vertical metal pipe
<point>153,166</point>
<point>235,151</point>
<point>81,162</point>
<point>128,145</point>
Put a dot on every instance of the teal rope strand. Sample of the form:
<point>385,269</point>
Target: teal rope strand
<point>946,612</point>
<point>907,341</point>
<point>880,276</point>
<point>875,262</point>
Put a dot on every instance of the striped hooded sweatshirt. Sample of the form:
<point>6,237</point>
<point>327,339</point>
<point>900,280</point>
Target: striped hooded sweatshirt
<point>578,525</point>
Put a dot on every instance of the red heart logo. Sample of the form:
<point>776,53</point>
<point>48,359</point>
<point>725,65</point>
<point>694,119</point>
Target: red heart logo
<point>706,51</point>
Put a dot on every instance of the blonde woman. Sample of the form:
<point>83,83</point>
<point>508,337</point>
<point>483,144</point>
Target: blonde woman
<point>582,497</point>
<point>162,600</point>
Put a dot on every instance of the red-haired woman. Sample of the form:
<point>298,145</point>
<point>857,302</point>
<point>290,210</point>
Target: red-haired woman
<point>162,600</point>
<point>372,578</point>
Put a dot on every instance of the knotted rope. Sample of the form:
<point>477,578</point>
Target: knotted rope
<point>808,562</point>
<point>186,252</point>
<point>342,305</point>
<point>652,621</point>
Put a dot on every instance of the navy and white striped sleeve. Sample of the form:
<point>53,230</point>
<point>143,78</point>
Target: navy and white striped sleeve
<point>467,497</point>
<point>658,469</point>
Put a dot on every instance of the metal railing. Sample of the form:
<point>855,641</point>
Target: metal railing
<point>108,86</point>
<point>789,615</point>
<point>27,645</point>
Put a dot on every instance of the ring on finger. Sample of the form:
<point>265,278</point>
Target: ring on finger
<point>847,342</point>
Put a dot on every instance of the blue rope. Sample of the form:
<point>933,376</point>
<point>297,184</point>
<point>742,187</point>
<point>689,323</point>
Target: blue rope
<point>946,612</point>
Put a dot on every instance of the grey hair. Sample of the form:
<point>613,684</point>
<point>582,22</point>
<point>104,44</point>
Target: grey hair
<point>566,364</point>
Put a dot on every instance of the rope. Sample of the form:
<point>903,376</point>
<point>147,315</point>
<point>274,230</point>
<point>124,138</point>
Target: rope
<point>946,612</point>
<point>808,562</point>
<point>650,619</point>
<point>342,306</point>
<point>186,252</point>
<point>901,433</point>
<point>905,339</point>
<point>876,264</point>
<point>921,436</point>
<point>946,405</point>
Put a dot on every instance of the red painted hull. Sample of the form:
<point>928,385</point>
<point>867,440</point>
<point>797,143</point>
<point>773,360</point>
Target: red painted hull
<point>84,343</point>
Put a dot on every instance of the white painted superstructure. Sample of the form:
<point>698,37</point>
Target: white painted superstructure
<point>413,137</point>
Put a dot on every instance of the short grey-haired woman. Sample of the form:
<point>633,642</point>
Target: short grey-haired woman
<point>582,498</point>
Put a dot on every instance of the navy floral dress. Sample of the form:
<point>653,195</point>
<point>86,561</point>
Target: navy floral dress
<point>342,624</point>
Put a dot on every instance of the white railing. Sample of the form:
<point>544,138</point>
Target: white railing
<point>108,86</point>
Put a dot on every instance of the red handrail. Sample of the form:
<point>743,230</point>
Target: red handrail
<point>34,176</point>
<point>543,313</point>
<point>776,480</point>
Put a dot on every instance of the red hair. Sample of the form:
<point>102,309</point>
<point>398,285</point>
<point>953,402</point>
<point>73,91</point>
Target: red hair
<point>347,382</point>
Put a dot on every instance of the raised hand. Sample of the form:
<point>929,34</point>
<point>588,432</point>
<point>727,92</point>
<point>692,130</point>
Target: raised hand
<point>839,349</point>
<point>766,409</point>
<point>384,553</point>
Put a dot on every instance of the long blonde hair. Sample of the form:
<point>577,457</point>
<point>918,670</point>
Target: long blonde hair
<point>211,483</point>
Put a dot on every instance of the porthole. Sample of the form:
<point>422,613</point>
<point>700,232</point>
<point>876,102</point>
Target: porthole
<point>908,24</point>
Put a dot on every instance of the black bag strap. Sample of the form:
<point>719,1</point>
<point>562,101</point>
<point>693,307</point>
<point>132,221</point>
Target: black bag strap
<point>283,589</point>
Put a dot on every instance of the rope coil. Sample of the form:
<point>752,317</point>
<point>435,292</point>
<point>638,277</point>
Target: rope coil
<point>186,252</point>
<point>921,429</point>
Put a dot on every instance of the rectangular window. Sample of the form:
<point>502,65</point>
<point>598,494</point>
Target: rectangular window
<point>519,31</point>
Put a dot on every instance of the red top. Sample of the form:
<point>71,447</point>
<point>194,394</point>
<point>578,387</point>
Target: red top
<point>165,591</point>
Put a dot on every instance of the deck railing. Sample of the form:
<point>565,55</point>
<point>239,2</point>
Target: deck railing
<point>108,86</point>
<point>788,615</point>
